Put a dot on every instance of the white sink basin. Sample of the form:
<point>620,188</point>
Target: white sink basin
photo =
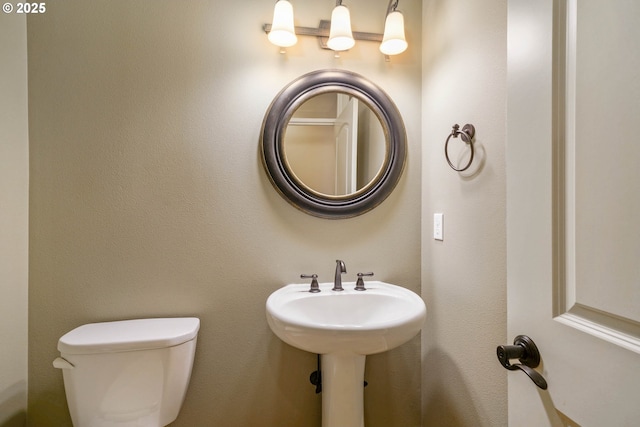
<point>363,322</point>
<point>344,327</point>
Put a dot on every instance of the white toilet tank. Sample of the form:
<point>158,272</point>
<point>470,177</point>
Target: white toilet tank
<point>131,373</point>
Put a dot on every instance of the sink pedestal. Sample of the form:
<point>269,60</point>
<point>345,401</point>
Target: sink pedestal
<point>342,389</point>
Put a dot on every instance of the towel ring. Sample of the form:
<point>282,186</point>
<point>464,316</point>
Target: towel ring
<point>466,134</point>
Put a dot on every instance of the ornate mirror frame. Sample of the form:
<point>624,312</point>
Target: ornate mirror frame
<point>274,128</point>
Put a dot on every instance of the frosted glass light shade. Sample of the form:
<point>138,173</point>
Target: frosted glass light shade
<point>393,41</point>
<point>340,36</point>
<point>282,29</point>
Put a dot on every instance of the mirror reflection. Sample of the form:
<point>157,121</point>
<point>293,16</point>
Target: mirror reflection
<point>334,144</point>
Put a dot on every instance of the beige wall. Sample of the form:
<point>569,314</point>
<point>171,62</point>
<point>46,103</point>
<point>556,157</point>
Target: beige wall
<point>14,190</point>
<point>148,198</point>
<point>464,276</point>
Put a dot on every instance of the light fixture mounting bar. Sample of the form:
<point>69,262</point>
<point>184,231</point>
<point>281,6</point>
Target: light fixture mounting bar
<point>322,32</point>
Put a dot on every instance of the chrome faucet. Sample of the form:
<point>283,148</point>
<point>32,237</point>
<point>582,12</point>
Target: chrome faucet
<point>340,268</point>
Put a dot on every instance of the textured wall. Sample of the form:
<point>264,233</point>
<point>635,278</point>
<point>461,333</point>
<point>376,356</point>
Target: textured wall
<point>14,205</point>
<point>464,276</point>
<point>148,198</point>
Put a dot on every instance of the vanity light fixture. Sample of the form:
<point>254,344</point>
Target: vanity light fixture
<point>337,34</point>
<point>340,35</point>
<point>282,30</point>
<point>393,41</point>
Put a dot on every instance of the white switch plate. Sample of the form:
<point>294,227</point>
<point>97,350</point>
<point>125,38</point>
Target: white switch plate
<point>438,226</point>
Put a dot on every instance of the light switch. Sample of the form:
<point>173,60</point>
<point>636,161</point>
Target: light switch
<point>438,226</point>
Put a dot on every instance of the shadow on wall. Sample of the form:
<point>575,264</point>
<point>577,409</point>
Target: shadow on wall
<point>390,378</point>
<point>16,420</point>
<point>12,406</point>
<point>447,401</point>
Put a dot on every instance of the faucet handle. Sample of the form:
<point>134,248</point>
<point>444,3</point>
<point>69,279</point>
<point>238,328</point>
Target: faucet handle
<point>314,282</point>
<point>360,282</point>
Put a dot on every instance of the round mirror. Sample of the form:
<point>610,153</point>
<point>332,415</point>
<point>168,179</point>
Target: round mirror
<point>333,144</point>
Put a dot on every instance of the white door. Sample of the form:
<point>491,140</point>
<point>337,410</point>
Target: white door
<point>573,209</point>
<point>346,136</point>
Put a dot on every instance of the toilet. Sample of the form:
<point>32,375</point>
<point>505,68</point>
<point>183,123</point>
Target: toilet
<point>130,373</point>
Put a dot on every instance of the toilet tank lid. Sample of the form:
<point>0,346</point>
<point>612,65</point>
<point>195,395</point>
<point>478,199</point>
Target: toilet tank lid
<point>129,335</point>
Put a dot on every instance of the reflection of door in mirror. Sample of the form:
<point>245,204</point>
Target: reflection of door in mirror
<point>346,137</point>
<point>334,144</point>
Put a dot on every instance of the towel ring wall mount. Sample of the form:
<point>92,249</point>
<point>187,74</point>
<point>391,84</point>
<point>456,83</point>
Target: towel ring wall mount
<point>466,134</point>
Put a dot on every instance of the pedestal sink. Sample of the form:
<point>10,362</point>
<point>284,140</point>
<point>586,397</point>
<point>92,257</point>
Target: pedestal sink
<point>344,327</point>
